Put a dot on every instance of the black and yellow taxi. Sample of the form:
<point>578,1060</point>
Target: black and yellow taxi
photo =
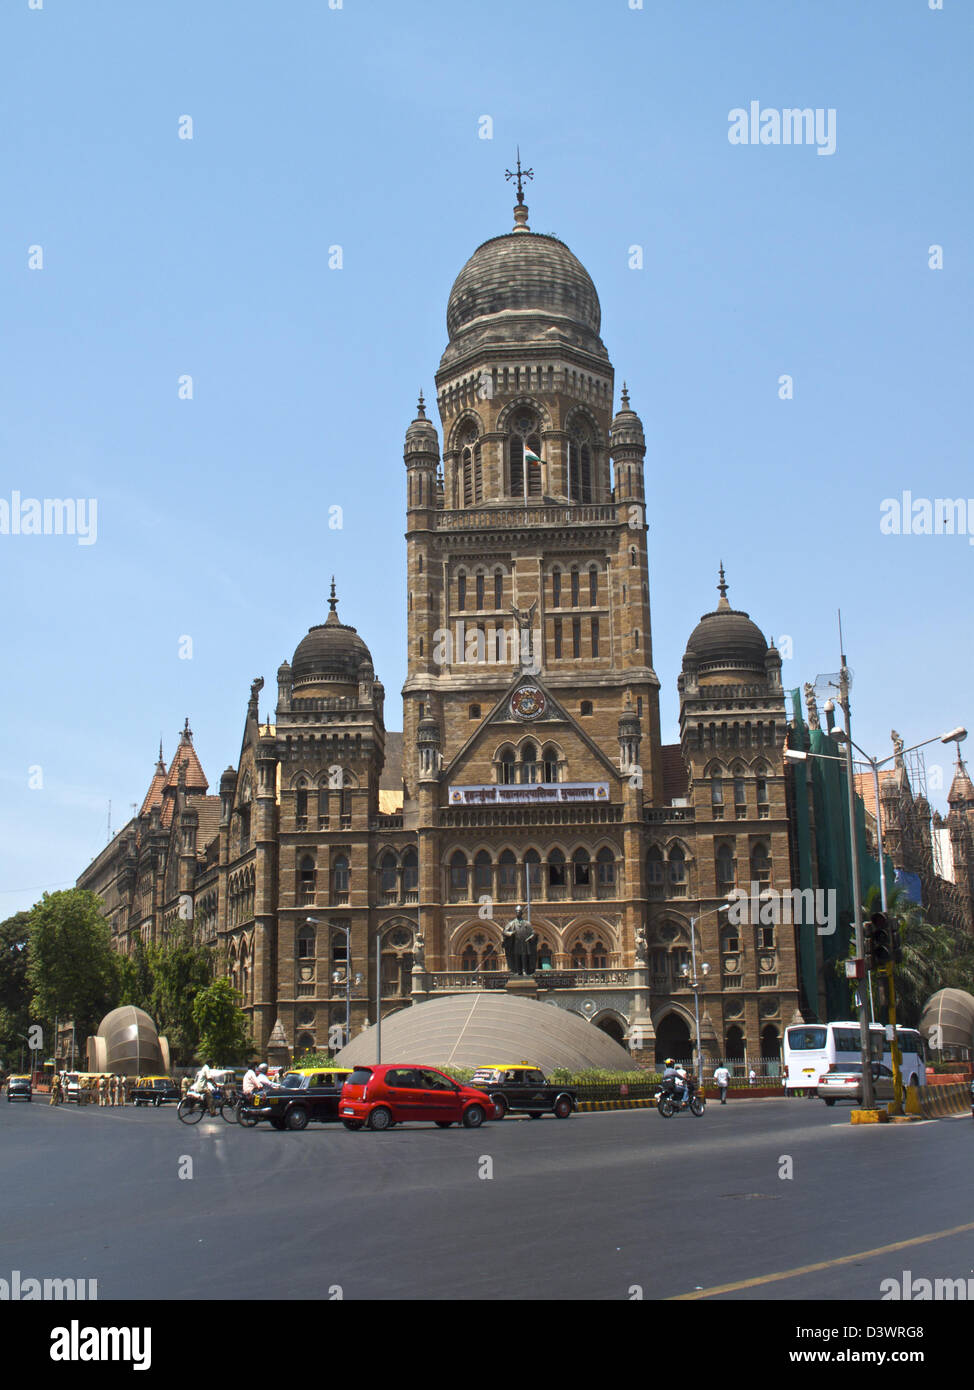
<point>303,1095</point>
<point>19,1088</point>
<point>522,1087</point>
<point>153,1090</point>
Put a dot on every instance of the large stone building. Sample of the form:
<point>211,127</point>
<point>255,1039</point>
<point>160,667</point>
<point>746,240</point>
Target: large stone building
<point>530,764</point>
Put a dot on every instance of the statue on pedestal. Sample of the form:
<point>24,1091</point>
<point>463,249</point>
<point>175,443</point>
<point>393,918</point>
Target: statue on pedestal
<point>520,945</point>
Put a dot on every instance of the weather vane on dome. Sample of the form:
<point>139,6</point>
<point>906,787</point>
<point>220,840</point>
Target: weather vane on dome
<point>519,174</point>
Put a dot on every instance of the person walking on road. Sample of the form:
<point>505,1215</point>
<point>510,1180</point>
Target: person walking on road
<point>722,1081</point>
<point>752,1077</point>
<point>55,1090</point>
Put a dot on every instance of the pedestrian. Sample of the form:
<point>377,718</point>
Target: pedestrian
<point>722,1080</point>
<point>55,1091</point>
<point>184,1085</point>
<point>752,1077</point>
<point>102,1091</point>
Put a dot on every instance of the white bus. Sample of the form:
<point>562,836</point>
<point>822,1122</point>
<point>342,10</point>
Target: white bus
<point>811,1048</point>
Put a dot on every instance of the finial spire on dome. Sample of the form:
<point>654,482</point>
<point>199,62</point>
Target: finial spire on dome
<point>625,396</point>
<point>722,589</point>
<point>520,211</point>
<point>333,601</point>
<point>187,733</point>
<point>421,406</point>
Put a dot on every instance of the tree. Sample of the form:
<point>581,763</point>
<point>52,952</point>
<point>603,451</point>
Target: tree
<point>179,971</point>
<point>135,977</point>
<point>14,988</point>
<point>71,967</point>
<point>224,1035</point>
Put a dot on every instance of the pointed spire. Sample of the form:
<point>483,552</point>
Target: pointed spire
<point>333,601</point>
<point>421,406</point>
<point>722,589</point>
<point>625,396</point>
<point>187,735</point>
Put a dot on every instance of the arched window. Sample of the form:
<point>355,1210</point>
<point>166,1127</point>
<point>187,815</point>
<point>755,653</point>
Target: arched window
<point>717,797</point>
<point>532,869</point>
<point>593,586</point>
<point>306,881</point>
<point>740,792</point>
<point>469,960</point>
<point>725,867</point>
<point>654,865</point>
<point>458,874</point>
<point>470,470</point>
<point>461,591</point>
<point>606,868</point>
<point>529,763</point>
<point>556,589</point>
<point>549,761</point>
<point>410,871</point>
<point>524,439</point>
<point>301,807</point>
<point>506,875</point>
<point>498,588</point>
<point>507,771</point>
<point>305,942</point>
<point>580,467</point>
<point>340,878</point>
<point>575,588</point>
<point>387,874</point>
<point>556,874</point>
<point>761,865</point>
<point>586,707</point>
<point>480,590</point>
<point>678,866</point>
<point>581,869</point>
<point>482,875</point>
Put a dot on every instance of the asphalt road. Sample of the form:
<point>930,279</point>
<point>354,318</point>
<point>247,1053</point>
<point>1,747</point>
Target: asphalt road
<point>612,1205</point>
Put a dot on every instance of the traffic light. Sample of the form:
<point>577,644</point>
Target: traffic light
<point>867,946</point>
<point>882,940</point>
<point>896,942</point>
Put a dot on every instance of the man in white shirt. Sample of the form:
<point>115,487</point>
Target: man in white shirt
<point>722,1079</point>
<point>250,1082</point>
<point>263,1080</point>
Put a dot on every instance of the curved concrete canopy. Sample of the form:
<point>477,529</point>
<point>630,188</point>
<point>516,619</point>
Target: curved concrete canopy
<point>471,1030</point>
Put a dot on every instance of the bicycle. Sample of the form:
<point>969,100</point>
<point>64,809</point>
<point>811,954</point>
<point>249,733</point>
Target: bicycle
<point>192,1108</point>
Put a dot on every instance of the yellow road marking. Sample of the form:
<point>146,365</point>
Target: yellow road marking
<point>823,1264</point>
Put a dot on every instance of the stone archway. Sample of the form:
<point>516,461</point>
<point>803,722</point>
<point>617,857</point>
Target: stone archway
<point>673,1039</point>
<point>609,1023</point>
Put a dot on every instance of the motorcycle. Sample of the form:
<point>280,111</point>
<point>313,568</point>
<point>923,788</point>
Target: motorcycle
<point>668,1102</point>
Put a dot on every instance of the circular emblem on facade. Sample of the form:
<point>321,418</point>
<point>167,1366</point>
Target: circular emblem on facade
<point>528,702</point>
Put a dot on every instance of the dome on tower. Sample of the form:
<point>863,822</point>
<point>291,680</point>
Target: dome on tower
<point>524,287</point>
<point>332,652</point>
<point>727,637</point>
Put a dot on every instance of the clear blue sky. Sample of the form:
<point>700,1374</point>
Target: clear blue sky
<point>359,127</point>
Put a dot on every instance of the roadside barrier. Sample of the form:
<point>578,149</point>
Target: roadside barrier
<point>619,1104</point>
<point>938,1102</point>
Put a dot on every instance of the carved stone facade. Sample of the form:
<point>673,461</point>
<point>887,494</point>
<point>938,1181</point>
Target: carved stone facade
<point>531,743</point>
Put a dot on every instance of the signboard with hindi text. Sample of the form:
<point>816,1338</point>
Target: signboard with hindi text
<point>530,793</point>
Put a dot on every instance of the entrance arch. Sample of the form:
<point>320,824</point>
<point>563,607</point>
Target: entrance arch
<point>673,1039</point>
<point>610,1024</point>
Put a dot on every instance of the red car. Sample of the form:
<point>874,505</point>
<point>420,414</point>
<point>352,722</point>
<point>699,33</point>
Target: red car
<point>391,1094</point>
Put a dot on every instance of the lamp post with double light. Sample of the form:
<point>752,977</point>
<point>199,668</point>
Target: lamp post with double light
<point>336,976</point>
<point>694,980</point>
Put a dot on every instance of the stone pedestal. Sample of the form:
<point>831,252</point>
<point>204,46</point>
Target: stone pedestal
<point>522,986</point>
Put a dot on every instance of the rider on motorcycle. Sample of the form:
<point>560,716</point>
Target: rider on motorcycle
<point>672,1075</point>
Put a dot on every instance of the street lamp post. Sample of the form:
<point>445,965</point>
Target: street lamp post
<point>313,922</point>
<point>694,981</point>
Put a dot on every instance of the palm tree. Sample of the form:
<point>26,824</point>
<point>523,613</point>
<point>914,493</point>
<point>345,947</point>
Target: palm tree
<point>931,953</point>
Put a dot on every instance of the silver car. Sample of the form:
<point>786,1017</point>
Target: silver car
<point>844,1082</point>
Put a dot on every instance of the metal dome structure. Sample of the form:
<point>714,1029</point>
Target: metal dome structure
<point>471,1030</point>
<point>947,1023</point>
<point>127,1042</point>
